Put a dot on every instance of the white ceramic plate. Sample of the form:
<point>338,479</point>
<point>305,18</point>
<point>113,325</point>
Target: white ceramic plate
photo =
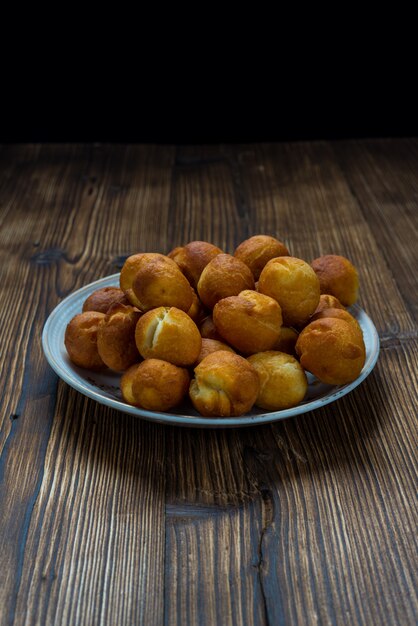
<point>104,386</point>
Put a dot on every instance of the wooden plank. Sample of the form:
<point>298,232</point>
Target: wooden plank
<point>214,519</point>
<point>203,200</point>
<point>113,520</point>
<point>71,216</point>
<point>95,547</point>
<point>305,195</point>
<point>211,535</point>
<point>310,206</point>
<point>346,541</point>
<point>286,509</point>
<point>311,520</point>
<point>383,177</point>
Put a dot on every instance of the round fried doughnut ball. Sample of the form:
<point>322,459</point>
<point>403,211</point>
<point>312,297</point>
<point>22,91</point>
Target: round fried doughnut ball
<point>341,314</point>
<point>212,345</point>
<point>158,282</point>
<point>225,384</point>
<point>294,285</point>
<point>130,269</point>
<point>208,330</point>
<point>155,385</point>
<point>116,337</point>
<point>250,322</point>
<point>332,350</point>
<point>224,276</point>
<point>193,258</point>
<point>337,277</point>
<point>326,301</point>
<point>168,334</point>
<point>286,341</point>
<point>126,383</point>
<point>283,382</point>
<point>197,311</point>
<point>258,250</point>
<point>81,340</point>
<point>102,299</point>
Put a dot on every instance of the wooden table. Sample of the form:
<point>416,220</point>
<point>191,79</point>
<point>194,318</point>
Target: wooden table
<point>108,519</point>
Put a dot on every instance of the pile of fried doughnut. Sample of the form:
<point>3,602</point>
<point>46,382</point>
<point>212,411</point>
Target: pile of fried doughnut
<point>229,331</point>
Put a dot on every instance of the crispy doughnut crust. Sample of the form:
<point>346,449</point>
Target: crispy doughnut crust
<point>225,384</point>
<point>208,330</point>
<point>224,276</point>
<point>193,258</point>
<point>81,340</point>
<point>155,385</point>
<point>168,334</point>
<point>332,349</point>
<point>258,250</point>
<point>326,301</point>
<point>159,283</point>
<point>197,311</point>
<point>287,341</point>
<point>295,286</point>
<point>283,382</point>
<point>130,269</point>
<point>116,337</point>
<point>126,382</point>
<point>102,299</point>
<point>250,322</point>
<point>337,277</point>
<point>341,314</point>
<point>209,346</point>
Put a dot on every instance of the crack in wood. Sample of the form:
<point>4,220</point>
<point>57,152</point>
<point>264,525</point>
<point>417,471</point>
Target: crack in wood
<point>267,521</point>
<point>48,256</point>
<point>255,461</point>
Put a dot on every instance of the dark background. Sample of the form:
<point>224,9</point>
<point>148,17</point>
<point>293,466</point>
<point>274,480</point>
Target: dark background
<point>215,116</point>
<point>197,118</point>
<point>197,93</point>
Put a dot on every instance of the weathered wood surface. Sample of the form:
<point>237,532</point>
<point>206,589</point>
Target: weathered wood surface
<point>106,519</point>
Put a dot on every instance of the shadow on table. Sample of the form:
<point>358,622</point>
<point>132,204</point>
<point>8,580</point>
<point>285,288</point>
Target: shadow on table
<point>222,468</point>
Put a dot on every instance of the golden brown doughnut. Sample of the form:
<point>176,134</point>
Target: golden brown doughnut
<point>258,250</point>
<point>341,314</point>
<point>212,345</point>
<point>326,301</point>
<point>225,384</point>
<point>332,350</point>
<point>197,311</point>
<point>155,385</point>
<point>208,330</point>
<point>160,283</point>
<point>224,276</point>
<point>126,382</point>
<point>294,285</point>
<point>102,299</point>
<point>168,334</point>
<point>287,341</point>
<point>283,382</point>
<point>337,277</point>
<point>81,340</point>
<point>116,337</point>
<point>250,322</point>
<point>130,269</point>
<point>193,258</point>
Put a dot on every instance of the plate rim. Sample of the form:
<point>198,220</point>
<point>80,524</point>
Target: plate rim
<point>191,420</point>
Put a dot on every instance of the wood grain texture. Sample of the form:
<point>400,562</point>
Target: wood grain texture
<point>106,519</point>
